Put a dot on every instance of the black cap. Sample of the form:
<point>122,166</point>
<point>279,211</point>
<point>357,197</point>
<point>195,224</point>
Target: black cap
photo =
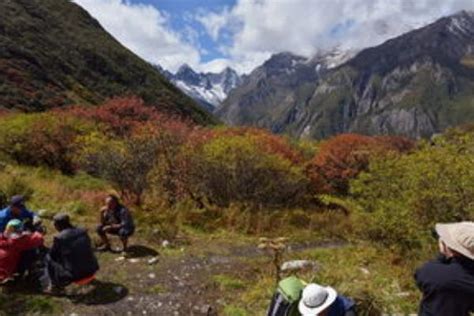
<point>61,219</point>
<point>17,200</point>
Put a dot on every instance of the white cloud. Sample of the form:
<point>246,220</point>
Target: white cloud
<point>250,31</point>
<point>261,28</point>
<point>144,30</point>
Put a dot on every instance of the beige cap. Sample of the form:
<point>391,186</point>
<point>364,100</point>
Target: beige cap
<point>458,236</point>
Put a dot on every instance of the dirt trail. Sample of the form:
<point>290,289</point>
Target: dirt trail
<point>179,283</point>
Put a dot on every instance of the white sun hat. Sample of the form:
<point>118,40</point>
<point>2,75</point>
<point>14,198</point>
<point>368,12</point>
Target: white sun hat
<point>315,299</point>
<point>458,236</point>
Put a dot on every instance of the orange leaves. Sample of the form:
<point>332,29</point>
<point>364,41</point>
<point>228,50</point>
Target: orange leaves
<point>121,116</point>
<point>343,157</point>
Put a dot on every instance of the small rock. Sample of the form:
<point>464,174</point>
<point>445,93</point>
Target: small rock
<point>153,260</point>
<point>364,271</point>
<point>165,244</point>
<point>121,258</point>
<point>294,265</point>
<point>119,290</point>
<point>134,260</point>
<point>152,275</point>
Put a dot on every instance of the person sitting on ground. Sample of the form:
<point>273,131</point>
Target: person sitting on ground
<point>447,283</point>
<point>319,300</point>
<point>71,258</point>
<point>13,242</point>
<point>115,219</point>
<point>18,210</point>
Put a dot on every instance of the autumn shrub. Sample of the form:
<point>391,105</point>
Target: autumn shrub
<point>46,139</point>
<point>343,157</point>
<point>248,168</point>
<point>121,116</point>
<point>125,162</point>
<point>402,197</point>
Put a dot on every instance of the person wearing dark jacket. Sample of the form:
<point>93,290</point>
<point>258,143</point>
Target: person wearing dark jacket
<point>71,258</point>
<point>115,219</point>
<point>447,283</point>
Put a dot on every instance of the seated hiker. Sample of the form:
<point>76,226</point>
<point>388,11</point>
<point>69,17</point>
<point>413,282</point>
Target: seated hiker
<point>293,298</point>
<point>13,242</point>
<point>115,219</point>
<point>71,257</point>
<point>447,283</point>
<point>320,300</point>
<point>18,210</point>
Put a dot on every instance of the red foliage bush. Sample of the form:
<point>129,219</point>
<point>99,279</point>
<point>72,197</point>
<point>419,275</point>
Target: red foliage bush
<point>343,157</point>
<point>121,116</point>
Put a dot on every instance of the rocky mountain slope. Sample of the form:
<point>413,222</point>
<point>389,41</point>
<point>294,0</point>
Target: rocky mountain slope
<point>53,53</point>
<point>415,85</point>
<point>208,89</point>
<point>271,89</point>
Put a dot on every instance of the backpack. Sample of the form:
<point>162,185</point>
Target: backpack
<point>285,300</point>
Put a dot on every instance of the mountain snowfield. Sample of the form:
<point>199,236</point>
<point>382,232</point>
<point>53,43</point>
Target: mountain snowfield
<point>208,89</point>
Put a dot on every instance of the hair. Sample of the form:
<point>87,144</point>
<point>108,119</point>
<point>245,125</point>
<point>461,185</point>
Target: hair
<point>62,221</point>
<point>114,197</point>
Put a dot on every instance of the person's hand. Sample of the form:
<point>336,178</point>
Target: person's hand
<point>444,250</point>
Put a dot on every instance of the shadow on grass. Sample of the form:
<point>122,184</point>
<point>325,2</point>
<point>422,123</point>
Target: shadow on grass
<point>98,293</point>
<point>139,251</point>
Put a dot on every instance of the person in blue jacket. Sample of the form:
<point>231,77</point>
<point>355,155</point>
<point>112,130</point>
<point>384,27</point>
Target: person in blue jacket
<point>18,210</point>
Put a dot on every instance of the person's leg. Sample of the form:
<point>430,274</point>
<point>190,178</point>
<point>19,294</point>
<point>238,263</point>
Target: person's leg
<point>124,243</point>
<point>103,236</point>
<point>124,234</point>
<point>27,259</point>
<point>54,278</point>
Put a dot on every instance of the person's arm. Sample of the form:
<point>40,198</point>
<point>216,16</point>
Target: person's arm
<point>102,216</point>
<point>431,273</point>
<point>55,251</point>
<point>31,241</point>
<point>125,217</point>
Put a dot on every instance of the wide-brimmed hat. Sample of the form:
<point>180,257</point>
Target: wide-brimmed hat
<point>315,299</point>
<point>458,237</point>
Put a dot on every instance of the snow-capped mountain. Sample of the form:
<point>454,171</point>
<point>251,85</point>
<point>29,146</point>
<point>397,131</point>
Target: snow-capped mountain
<point>332,58</point>
<point>208,89</point>
<point>416,84</point>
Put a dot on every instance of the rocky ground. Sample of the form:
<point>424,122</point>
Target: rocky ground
<point>198,277</point>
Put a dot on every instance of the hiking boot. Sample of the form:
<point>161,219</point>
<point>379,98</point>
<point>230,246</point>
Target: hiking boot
<point>6,280</point>
<point>54,290</point>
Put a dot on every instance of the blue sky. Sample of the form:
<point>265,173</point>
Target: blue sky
<point>212,34</point>
<point>179,12</point>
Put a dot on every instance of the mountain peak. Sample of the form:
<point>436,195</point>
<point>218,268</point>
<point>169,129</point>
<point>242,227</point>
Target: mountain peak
<point>185,68</point>
<point>208,89</point>
<point>462,23</point>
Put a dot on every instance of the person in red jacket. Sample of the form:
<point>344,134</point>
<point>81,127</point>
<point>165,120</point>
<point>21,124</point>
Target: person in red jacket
<point>13,242</point>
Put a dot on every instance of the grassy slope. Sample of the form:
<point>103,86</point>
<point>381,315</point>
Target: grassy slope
<point>53,53</point>
<point>222,268</point>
